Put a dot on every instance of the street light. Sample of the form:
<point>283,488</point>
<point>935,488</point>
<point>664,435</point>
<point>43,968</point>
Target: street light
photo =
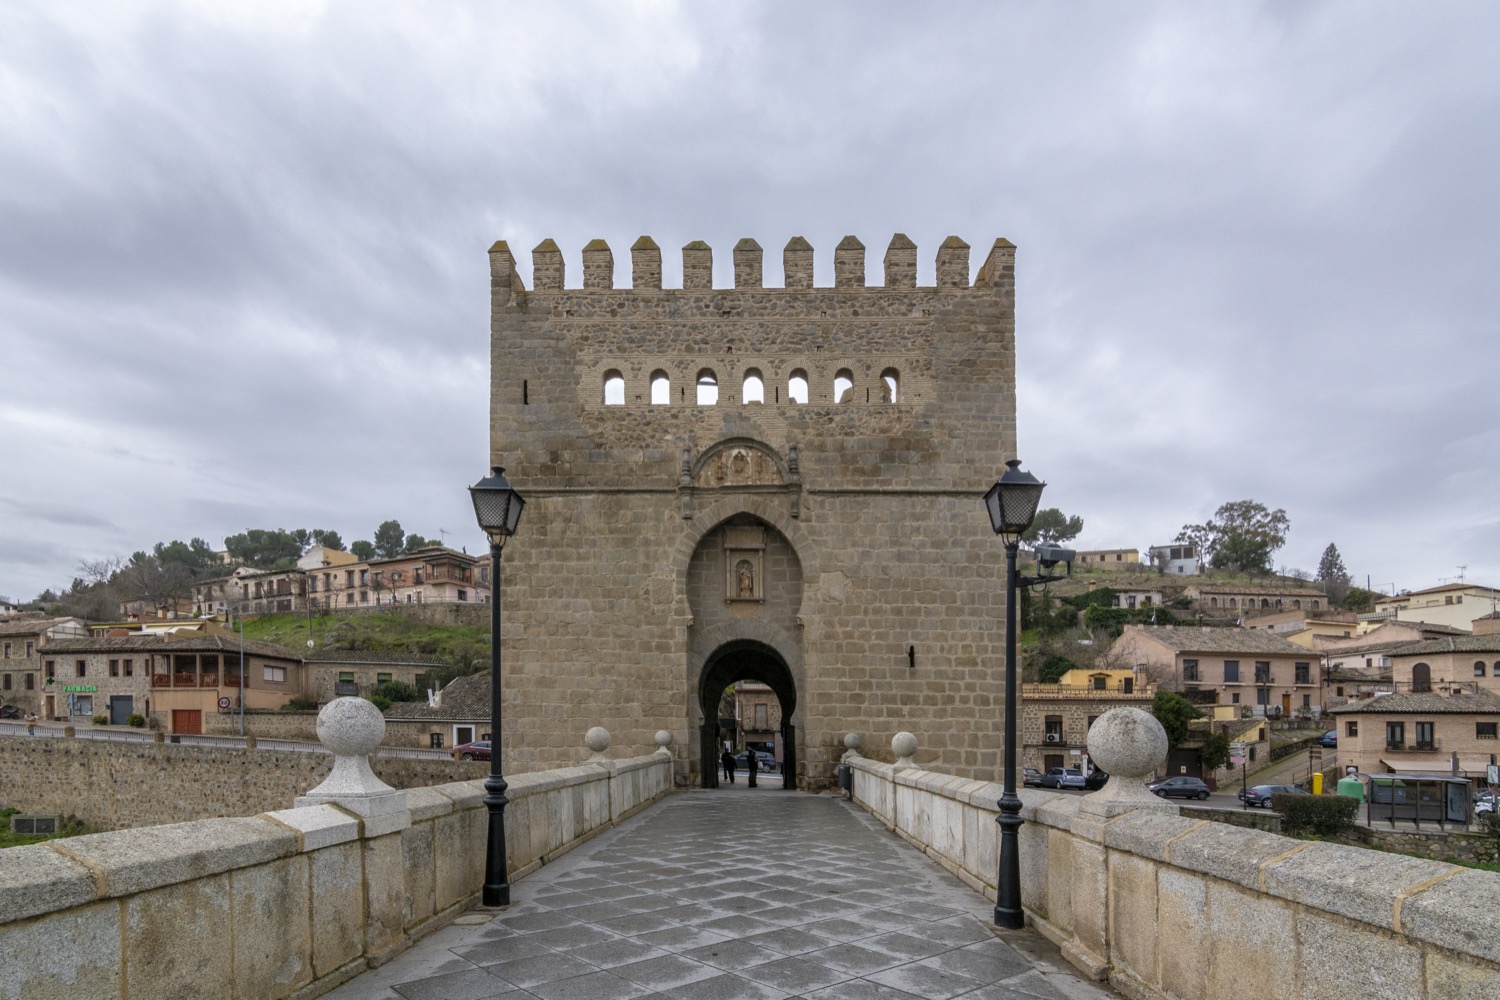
<point>1012,504</point>
<point>498,508</point>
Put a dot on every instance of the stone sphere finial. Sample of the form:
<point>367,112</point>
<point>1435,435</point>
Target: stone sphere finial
<point>904,745</point>
<point>597,739</point>
<point>853,741</point>
<point>663,738</point>
<point>1128,744</point>
<point>351,727</point>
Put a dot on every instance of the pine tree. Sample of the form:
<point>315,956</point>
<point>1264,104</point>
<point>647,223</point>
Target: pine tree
<point>1331,566</point>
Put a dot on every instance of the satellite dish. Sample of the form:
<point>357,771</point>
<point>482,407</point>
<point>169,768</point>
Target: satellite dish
<point>309,644</point>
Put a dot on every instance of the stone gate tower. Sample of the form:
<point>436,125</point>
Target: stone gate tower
<point>780,484</point>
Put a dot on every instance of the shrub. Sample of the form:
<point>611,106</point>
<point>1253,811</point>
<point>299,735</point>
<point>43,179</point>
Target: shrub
<point>301,705</point>
<point>397,691</point>
<point>1321,815</point>
<point>101,720</point>
<point>379,701</point>
<point>138,721</point>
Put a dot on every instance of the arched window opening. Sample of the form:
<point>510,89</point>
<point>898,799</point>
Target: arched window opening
<point>661,388</point>
<point>755,388</point>
<point>796,387</point>
<point>614,388</point>
<point>1278,602</point>
<point>1213,602</point>
<point>843,386</point>
<point>1478,668</point>
<point>1297,604</point>
<point>1265,603</point>
<point>892,380</point>
<point>1232,603</point>
<point>1315,605</point>
<point>1421,678</point>
<point>708,387</point>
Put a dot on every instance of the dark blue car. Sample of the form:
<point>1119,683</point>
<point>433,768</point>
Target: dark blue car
<point>1329,739</point>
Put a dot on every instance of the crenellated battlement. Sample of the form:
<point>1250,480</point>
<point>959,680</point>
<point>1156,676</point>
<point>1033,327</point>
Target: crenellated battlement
<point>900,263</point>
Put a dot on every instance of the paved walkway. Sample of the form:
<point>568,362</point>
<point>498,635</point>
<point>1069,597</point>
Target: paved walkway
<point>736,893</point>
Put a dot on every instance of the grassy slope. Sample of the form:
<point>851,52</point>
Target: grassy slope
<point>391,633</point>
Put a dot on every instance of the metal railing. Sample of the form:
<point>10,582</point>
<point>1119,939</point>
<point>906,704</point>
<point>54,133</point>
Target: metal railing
<point>113,735</point>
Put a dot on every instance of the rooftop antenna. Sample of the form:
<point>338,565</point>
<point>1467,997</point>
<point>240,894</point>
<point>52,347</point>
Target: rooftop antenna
<point>443,534</point>
<point>1461,573</point>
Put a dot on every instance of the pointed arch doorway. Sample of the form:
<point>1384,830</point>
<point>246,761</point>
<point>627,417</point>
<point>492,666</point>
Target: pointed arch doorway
<point>744,660</point>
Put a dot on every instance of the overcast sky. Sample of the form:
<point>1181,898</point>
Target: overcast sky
<point>243,279</point>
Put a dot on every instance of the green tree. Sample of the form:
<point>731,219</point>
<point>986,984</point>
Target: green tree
<point>415,542</point>
<point>1331,566</point>
<point>196,557</point>
<point>1174,712</point>
<point>1052,527</point>
<point>264,549</point>
<point>362,550</point>
<point>1215,751</point>
<point>396,691</point>
<point>1243,534</point>
<point>1359,599</point>
<point>327,539</point>
<point>389,539</point>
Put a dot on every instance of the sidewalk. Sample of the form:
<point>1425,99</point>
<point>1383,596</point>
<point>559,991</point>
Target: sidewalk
<point>736,893</point>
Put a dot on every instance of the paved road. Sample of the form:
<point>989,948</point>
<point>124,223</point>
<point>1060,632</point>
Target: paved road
<point>735,893</point>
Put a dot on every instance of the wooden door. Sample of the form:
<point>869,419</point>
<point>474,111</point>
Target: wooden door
<point>187,721</point>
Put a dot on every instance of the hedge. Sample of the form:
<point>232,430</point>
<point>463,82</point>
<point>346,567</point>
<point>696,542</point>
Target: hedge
<point>1322,815</point>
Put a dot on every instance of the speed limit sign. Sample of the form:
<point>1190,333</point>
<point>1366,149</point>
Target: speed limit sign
<point>223,702</point>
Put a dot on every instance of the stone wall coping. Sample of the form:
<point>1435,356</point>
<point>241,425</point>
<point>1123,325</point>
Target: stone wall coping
<point>1147,832</point>
<point>1232,853</point>
<point>428,803</point>
<point>1354,882</point>
<point>1457,912</point>
<point>316,827</point>
<point>129,861</point>
<point>463,794</point>
<point>36,879</point>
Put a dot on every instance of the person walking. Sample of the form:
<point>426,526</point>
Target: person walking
<point>31,724</point>
<point>750,768</point>
<point>728,761</point>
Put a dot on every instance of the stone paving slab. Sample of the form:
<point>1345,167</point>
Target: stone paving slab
<point>734,894</point>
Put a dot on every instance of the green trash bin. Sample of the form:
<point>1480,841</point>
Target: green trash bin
<point>1352,787</point>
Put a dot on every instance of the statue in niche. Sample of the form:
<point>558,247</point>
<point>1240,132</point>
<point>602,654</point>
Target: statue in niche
<point>745,574</point>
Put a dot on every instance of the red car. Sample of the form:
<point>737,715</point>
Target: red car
<point>478,750</point>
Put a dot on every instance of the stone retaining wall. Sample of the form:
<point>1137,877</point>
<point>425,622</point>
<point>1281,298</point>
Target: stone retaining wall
<point>277,725</point>
<point>1166,905</point>
<point>117,785</point>
<point>285,904</point>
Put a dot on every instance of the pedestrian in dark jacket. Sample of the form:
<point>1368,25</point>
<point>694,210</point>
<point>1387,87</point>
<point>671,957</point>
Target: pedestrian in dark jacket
<point>728,761</point>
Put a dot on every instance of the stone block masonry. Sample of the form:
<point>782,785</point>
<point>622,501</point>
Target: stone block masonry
<point>779,484</point>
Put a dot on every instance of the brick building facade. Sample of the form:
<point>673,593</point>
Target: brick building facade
<point>772,484</point>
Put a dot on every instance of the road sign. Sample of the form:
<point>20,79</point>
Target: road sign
<point>1236,761</point>
<point>223,702</point>
<point>1494,774</point>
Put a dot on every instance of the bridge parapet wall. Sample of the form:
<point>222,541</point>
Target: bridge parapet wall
<point>1164,905</point>
<point>288,903</point>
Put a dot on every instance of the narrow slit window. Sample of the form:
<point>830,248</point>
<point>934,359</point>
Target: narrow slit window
<point>661,388</point>
<point>614,389</point>
<point>708,388</point>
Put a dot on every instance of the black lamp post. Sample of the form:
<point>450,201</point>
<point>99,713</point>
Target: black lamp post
<point>498,508</point>
<point>1012,504</point>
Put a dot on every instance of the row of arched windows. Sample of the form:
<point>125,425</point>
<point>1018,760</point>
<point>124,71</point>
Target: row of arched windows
<point>1265,602</point>
<point>1421,674</point>
<point>753,389</point>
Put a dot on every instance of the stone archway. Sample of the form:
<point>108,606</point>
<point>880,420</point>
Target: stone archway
<point>745,660</point>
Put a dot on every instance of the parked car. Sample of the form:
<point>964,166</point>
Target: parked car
<point>478,750</point>
<point>1260,795</point>
<point>1053,778</point>
<point>1072,777</point>
<point>1188,788</point>
<point>1484,804</point>
<point>1329,739</point>
<point>1031,776</point>
<point>764,762</point>
<point>9,712</point>
<point>1095,780</point>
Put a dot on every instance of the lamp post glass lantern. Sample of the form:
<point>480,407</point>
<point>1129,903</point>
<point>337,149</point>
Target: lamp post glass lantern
<point>1011,504</point>
<point>497,507</point>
